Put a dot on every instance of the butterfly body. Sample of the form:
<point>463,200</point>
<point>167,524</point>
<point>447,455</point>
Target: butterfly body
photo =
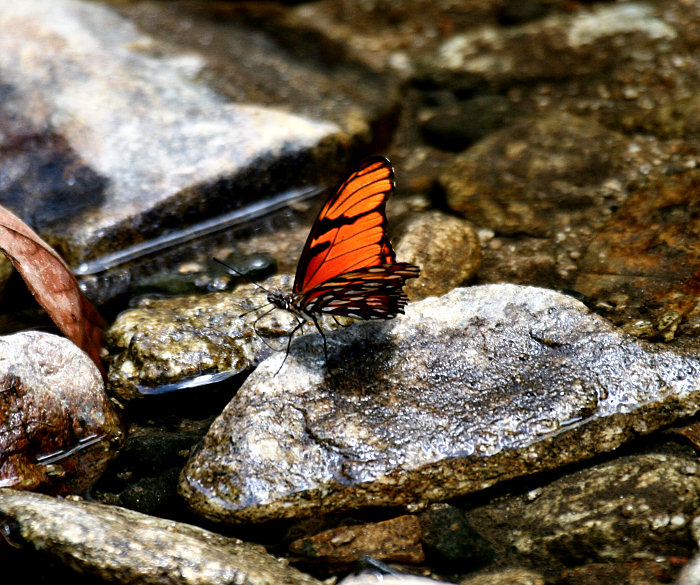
<point>348,267</point>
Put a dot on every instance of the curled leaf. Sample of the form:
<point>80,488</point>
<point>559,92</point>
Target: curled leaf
<point>53,284</point>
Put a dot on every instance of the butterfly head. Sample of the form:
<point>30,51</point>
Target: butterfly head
<point>281,301</point>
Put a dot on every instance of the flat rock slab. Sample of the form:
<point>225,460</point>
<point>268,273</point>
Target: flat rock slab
<point>467,390</point>
<point>123,546</point>
<point>163,145</point>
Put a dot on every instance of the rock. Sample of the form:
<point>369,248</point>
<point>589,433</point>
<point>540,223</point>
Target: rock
<point>58,428</point>
<point>467,390</point>
<point>396,540</point>
<point>166,344</point>
<point>122,546</point>
<point>658,571</point>
<point>458,127</point>
<point>447,250</point>
<point>690,575</point>
<point>449,538</point>
<point>607,513</point>
<point>539,176</point>
<point>506,577</point>
<point>388,38</point>
<point>558,46</point>
<point>645,260</point>
<point>153,146</point>
<point>380,579</point>
<point>254,56</point>
<point>678,119</point>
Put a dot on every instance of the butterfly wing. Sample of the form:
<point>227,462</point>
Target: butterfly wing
<point>350,231</point>
<point>368,293</point>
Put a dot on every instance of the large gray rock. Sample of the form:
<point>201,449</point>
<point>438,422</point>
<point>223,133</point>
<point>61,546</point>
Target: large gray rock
<point>162,144</point>
<point>468,390</point>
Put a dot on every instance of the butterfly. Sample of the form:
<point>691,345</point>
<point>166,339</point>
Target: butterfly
<point>348,267</point>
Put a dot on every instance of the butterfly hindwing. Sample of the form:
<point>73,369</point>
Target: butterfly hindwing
<point>368,293</point>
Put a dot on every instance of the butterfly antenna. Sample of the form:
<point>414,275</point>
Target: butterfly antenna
<point>260,286</point>
<point>239,273</point>
<point>256,309</point>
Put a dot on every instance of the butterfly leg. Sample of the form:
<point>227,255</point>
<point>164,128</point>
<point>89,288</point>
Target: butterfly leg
<point>255,328</point>
<point>300,324</point>
<point>323,335</point>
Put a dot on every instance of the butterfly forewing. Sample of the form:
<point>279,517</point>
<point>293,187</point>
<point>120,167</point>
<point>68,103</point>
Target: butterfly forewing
<point>350,231</point>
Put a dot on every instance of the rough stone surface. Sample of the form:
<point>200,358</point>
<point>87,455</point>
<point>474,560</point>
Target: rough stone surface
<point>58,428</point>
<point>690,575</point>
<point>550,48</point>
<point>658,571</point>
<point>381,579</point>
<point>447,250</point>
<point>396,540</point>
<point>537,177</point>
<point>164,344</point>
<point>469,389</point>
<point>609,512</point>
<point>122,546</point>
<point>647,256</point>
<point>506,577</point>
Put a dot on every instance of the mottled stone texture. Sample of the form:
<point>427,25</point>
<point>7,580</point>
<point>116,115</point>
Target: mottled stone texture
<point>123,546</point>
<point>469,389</point>
<point>58,427</point>
<point>158,145</point>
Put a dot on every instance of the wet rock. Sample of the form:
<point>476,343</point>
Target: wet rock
<point>163,146</point>
<point>253,55</point>
<point>645,260</point>
<point>657,571</point>
<point>41,171</point>
<point>58,428</point>
<point>587,42</point>
<point>396,540</point>
<point>450,539</point>
<point>381,579</point>
<point>607,513</point>
<point>690,575</point>
<point>122,546</point>
<point>446,248</point>
<point>467,390</point>
<point>506,577</point>
<point>458,127</point>
<point>539,177</point>
<point>162,345</point>
<point>389,37</point>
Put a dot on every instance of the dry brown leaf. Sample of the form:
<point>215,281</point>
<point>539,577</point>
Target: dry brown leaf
<point>53,285</point>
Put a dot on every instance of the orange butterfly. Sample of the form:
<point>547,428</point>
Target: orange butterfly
<point>348,266</point>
